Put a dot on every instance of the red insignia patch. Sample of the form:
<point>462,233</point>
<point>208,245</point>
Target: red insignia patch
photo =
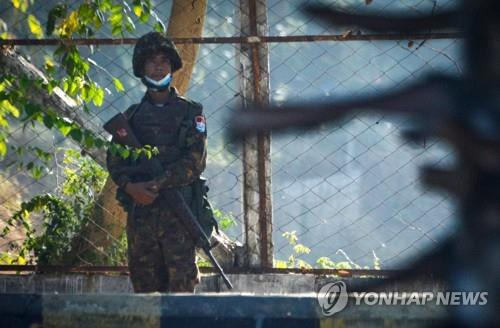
<point>121,132</point>
<point>200,123</point>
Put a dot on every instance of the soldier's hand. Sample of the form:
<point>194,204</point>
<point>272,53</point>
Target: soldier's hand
<point>143,193</point>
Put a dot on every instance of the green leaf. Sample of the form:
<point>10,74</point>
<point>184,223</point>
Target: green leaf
<point>125,153</point>
<point>76,134</point>
<point>58,11</point>
<point>48,121</point>
<point>49,65</point>
<point>291,237</point>
<point>105,5</point>
<point>65,129</point>
<point>3,148</point>
<point>85,93</point>
<point>3,84</point>
<point>3,121</point>
<point>85,12</point>
<point>51,85</point>
<point>144,18</point>
<point>31,109</point>
<point>303,264</point>
<point>279,264</point>
<point>325,263</point>
<point>99,143</point>
<point>135,155</point>
<point>88,140</point>
<point>227,222</point>
<point>118,85</point>
<point>145,8</point>
<point>20,4</point>
<point>160,27</point>
<point>72,88</point>
<point>116,9</point>
<point>98,97</point>
<point>68,26</point>
<point>301,249</point>
<point>36,172</point>
<point>8,107</point>
<point>137,10</point>
<point>35,26</point>
<point>116,30</point>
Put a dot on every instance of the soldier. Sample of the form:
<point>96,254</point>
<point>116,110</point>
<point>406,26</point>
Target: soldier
<point>161,253</point>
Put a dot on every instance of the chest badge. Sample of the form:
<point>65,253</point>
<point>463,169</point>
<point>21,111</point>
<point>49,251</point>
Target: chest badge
<point>121,132</point>
<point>200,123</point>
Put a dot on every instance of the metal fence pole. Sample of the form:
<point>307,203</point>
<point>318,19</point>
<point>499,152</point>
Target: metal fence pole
<point>254,87</point>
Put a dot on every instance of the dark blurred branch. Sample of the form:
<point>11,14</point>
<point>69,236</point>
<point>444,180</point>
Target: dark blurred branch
<point>400,22</point>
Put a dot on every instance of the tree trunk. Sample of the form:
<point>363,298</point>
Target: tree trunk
<point>186,20</point>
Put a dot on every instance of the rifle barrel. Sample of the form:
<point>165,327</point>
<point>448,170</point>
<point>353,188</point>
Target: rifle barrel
<point>219,269</point>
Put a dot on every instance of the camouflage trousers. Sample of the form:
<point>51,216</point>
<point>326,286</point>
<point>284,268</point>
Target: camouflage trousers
<point>161,254</point>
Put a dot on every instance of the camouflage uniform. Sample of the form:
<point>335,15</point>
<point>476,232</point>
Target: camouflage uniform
<point>161,253</point>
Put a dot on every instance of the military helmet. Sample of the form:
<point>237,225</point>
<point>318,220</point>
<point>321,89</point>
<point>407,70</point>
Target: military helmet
<point>150,43</point>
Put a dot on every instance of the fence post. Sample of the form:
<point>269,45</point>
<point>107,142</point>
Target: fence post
<point>254,87</point>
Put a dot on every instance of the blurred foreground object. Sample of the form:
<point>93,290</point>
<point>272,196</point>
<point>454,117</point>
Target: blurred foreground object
<point>464,112</point>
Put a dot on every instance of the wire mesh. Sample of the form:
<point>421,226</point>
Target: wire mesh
<point>349,191</point>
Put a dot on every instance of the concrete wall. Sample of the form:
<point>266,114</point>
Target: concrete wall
<point>243,283</point>
<point>270,300</point>
<point>215,310</point>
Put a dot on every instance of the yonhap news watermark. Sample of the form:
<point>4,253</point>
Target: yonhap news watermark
<point>333,297</point>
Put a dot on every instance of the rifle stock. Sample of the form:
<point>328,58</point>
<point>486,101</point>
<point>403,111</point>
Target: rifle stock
<point>122,133</point>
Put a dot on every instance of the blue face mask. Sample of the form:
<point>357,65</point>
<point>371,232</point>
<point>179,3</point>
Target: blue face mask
<point>160,85</point>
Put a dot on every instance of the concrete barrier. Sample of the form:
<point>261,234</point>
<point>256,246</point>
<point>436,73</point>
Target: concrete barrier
<point>214,310</point>
<point>71,283</point>
<point>258,300</point>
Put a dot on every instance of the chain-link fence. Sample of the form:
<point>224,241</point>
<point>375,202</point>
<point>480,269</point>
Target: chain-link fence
<point>355,187</point>
<point>348,191</point>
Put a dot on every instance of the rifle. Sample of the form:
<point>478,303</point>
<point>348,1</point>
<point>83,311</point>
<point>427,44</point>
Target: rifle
<point>122,133</point>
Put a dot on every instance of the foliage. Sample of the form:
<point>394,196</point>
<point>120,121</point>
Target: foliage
<point>66,213</point>
<point>322,262</point>
<point>202,263</point>
<point>59,225</point>
<point>72,71</point>
<point>298,249</point>
<point>225,220</point>
<point>63,215</point>
<point>117,253</point>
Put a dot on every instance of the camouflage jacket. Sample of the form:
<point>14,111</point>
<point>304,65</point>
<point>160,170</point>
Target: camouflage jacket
<point>177,129</point>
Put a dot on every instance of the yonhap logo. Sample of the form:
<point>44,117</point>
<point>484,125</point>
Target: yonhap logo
<point>332,297</point>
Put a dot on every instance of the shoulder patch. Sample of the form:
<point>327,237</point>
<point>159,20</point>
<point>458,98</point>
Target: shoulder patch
<point>200,124</point>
